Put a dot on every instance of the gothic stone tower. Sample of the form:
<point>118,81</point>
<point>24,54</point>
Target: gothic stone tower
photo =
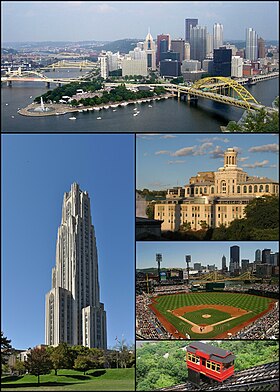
<point>74,313</point>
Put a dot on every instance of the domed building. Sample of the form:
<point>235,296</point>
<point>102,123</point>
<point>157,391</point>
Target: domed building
<point>211,199</point>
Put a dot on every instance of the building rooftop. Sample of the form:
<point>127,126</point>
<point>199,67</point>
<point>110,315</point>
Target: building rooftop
<point>216,353</point>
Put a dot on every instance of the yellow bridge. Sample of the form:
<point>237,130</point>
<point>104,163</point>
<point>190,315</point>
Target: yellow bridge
<point>217,277</point>
<point>219,89</point>
<point>84,64</point>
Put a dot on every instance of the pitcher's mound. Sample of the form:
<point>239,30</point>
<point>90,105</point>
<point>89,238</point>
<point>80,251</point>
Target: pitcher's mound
<point>206,315</point>
<point>202,329</point>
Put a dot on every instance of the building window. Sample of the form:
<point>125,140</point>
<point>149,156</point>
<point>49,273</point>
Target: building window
<point>223,187</point>
<point>212,190</point>
<point>250,189</point>
<point>245,189</point>
<point>188,191</point>
<point>196,191</point>
<point>238,188</point>
<point>267,188</point>
<point>255,188</point>
<point>261,188</point>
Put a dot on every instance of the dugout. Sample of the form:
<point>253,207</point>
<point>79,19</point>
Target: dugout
<point>215,286</point>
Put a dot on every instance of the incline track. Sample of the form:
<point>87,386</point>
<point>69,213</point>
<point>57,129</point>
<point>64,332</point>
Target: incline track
<point>258,378</point>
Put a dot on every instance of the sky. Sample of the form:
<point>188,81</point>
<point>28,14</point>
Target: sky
<point>206,253</point>
<point>36,171</point>
<point>109,21</point>
<point>167,160</point>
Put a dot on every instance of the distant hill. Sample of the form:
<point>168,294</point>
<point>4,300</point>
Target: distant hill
<point>8,51</point>
<point>122,45</point>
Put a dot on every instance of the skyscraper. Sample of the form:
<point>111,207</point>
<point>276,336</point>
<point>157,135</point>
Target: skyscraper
<point>261,48</point>
<point>178,45</point>
<point>234,264</point>
<point>218,35</point>
<point>224,263</point>
<point>150,48</point>
<point>251,51</point>
<point>74,313</point>
<point>198,43</point>
<point>162,48</point>
<point>258,256</point>
<point>222,62</point>
<point>188,24</point>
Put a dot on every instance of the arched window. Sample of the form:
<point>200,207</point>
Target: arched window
<point>188,191</point>
<point>205,190</point>
<point>255,188</point>
<point>212,190</point>
<point>200,190</point>
<point>261,188</point>
<point>238,188</point>
<point>250,189</point>
<point>196,191</point>
<point>245,189</point>
<point>223,187</point>
<point>267,188</point>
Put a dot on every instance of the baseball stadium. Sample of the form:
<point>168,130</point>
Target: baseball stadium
<point>211,311</point>
<point>209,315</point>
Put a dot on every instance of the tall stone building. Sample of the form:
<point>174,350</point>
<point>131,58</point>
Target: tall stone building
<point>212,199</point>
<point>150,48</point>
<point>74,313</point>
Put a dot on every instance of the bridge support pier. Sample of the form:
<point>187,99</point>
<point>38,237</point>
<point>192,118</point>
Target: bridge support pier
<point>48,84</point>
<point>178,94</point>
<point>9,83</point>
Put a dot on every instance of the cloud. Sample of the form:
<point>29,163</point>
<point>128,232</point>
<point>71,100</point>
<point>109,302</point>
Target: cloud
<point>168,136</point>
<point>216,138</point>
<point>217,153</point>
<point>256,164</point>
<point>265,148</point>
<point>162,152</point>
<point>145,154</point>
<point>184,151</point>
<point>242,159</point>
<point>104,8</point>
<point>175,162</point>
<point>201,149</point>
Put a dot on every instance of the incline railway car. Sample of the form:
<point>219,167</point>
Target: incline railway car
<point>207,361</point>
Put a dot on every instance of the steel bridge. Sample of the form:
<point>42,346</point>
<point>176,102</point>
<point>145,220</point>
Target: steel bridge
<point>215,276</point>
<point>219,89</point>
<point>84,64</point>
<point>34,76</point>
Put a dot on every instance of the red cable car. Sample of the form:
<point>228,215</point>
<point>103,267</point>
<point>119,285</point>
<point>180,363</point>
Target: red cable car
<point>207,361</point>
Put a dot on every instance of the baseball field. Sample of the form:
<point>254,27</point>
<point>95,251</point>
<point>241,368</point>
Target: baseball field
<point>209,315</point>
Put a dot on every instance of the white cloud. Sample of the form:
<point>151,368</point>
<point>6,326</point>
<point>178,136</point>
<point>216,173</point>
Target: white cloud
<point>217,153</point>
<point>184,151</point>
<point>242,159</point>
<point>178,161</point>
<point>274,147</point>
<point>256,164</point>
<point>162,152</point>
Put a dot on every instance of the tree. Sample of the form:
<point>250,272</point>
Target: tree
<point>186,226</point>
<point>19,367</point>
<point>6,349</point>
<point>61,357</point>
<point>97,358</point>
<point>83,363</point>
<point>39,362</point>
<point>263,212</point>
<point>204,225</point>
<point>150,210</point>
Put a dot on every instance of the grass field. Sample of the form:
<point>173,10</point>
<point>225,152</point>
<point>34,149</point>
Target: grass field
<point>251,303</point>
<point>72,380</point>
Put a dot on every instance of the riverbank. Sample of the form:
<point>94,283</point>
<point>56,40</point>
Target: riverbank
<point>56,109</point>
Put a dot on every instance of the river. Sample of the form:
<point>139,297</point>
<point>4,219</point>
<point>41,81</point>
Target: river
<point>169,115</point>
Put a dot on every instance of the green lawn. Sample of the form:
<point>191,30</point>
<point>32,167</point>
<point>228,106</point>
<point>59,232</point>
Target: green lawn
<point>252,303</point>
<point>72,380</point>
<point>216,316</point>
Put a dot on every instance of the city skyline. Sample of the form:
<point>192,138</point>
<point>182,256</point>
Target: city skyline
<point>174,158</point>
<point>37,170</point>
<point>173,253</point>
<point>32,19</point>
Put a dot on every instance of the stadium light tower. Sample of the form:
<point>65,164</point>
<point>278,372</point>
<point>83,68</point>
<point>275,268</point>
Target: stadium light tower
<point>188,260</point>
<point>159,260</point>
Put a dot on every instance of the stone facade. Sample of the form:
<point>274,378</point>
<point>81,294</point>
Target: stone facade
<point>213,198</point>
<point>74,313</point>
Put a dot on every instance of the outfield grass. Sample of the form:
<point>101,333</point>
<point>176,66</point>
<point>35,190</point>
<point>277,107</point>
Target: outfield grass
<point>72,380</point>
<point>252,303</point>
